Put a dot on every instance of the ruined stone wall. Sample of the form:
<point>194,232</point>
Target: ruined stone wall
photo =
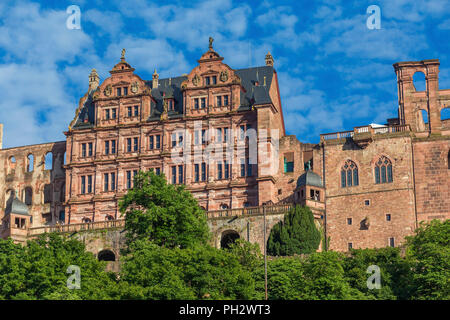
<point>40,188</point>
<point>432,178</point>
<point>369,227</point>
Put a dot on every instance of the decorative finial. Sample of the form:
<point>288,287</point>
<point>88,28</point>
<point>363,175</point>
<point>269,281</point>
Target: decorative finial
<point>123,55</point>
<point>211,39</point>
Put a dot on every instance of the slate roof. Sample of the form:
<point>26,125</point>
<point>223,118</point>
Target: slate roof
<point>14,205</point>
<point>310,178</point>
<point>254,95</point>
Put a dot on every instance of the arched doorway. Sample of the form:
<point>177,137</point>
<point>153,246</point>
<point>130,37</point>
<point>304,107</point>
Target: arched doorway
<point>106,255</point>
<point>228,238</point>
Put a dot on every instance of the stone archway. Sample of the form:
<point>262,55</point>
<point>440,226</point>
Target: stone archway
<point>228,237</point>
<point>106,255</point>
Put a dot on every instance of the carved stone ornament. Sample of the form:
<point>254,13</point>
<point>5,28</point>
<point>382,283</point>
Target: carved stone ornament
<point>108,90</point>
<point>134,87</point>
<point>196,80</point>
<point>224,76</point>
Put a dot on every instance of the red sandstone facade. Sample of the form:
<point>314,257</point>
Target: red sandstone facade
<point>220,131</point>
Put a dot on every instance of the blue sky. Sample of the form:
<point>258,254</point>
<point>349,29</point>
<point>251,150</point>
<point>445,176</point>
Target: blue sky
<point>334,72</point>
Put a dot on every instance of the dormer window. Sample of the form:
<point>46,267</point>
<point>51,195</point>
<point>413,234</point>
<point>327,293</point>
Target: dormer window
<point>125,91</point>
<point>119,92</point>
<point>214,79</point>
<point>203,103</point>
<point>207,81</point>
<point>136,111</point>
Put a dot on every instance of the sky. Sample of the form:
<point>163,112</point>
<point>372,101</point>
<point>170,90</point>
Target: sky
<point>334,72</point>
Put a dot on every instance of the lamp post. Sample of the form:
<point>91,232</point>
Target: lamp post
<point>265,254</point>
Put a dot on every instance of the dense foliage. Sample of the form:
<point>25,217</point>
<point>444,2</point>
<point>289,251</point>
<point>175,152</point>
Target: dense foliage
<point>166,214</point>
<point>296,234</point>
<point>165,260</point>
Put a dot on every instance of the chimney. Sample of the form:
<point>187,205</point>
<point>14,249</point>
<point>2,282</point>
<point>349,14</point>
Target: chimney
<point>1,136</point>
<point>94,80</point>
<point>155,80</point>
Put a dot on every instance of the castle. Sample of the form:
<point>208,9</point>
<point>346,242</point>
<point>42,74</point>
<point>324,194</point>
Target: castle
<point>220,131</point>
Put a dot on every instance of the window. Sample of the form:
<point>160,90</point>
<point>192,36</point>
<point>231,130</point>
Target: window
<point>196,137</point>
<point>114,113</point>
<point>207,81</point>
<point>30,163</point>
<point>158,171</point>
<point>388,217</point>
<point>350,245</point>
<point>367,202</point>
<point>214,79</point>
<point>158,142</point>
<point>125,91</point>
<point>196,103</point>
<point>174,140</point>
<point>135,144</point>
<point>383,170</point>
<point>174,174</point>
<point>196,172</point>
<point>349,174</point>
<point>128,179</point>
<point>107,114</point>
<point>130,111</point>
<point>109,181</point>
<point>349,221</point>
<point>226,134</point>
<point>83,187</point>
<point>119,92</point>
<point>113,146</point>
<point>106,147</point>
<point>219,134</point>
<point>203,171</point>
<point>219,171</point>
<point>219,101</point>
<point>225,100</point>
<point>227,170</point>
<point>289,162</point>
<point>136,111</point>
<point>90,149</point>
<point>180,140</point>
<point>392,242</point>
<point>203,103</point>
<point>83,150</point>
<point>128,144</point>
<point>170,105</point>
<point>203,136</point>
<point>151,140</point>
<point>242,167</point>
<point>106,182</point>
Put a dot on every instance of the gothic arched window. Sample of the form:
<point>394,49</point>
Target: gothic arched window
<point>383,170</point>
<point>349,174</point>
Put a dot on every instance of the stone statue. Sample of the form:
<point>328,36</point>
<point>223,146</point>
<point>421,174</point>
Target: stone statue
<point>211,42</point>
<point>123,54</point>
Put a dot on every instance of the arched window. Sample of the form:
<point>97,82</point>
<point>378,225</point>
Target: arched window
<point>86,220</point>
<point>349,174</point>
<point>48,161</point>
<point>383,170</point>
<point>30,163</point>
<point>419,81</point>
<point>223,206</point>
<point>109,217</point>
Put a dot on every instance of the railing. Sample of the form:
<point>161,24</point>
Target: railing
<point>272,209</point>
<point>120,223</point>
<point>365,129</point>
<point>75,227</point>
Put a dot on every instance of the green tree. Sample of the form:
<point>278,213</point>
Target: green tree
<point>38,270</point>
<point>429,250</point>
<point>297,234</point>
<point>165,214</point>
<point>395,272</point>
<point>197,272</point>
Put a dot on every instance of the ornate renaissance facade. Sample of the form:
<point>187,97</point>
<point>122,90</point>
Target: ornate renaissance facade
<point>220,131</point>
